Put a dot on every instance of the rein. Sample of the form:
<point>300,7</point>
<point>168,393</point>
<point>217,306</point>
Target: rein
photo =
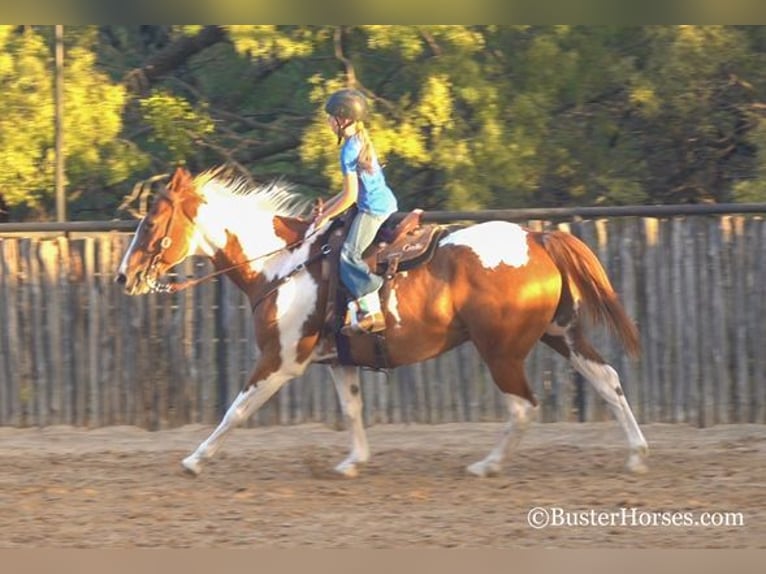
<point>324,251</point>
<point>176,287</point>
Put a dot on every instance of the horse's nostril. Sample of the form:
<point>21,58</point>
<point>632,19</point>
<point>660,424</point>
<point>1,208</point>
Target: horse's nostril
<point>121,278</point>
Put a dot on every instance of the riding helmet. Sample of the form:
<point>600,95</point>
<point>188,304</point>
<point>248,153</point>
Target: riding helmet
<point>347,104</point>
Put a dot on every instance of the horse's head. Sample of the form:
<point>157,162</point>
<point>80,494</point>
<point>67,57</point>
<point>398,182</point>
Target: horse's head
<point>164,237</point>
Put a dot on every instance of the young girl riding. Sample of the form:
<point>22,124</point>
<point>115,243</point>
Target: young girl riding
<point>365,186</point>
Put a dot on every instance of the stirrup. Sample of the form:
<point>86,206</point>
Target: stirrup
<point>372,323</point>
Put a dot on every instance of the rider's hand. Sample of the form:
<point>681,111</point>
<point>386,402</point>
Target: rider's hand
<point>317,209</point>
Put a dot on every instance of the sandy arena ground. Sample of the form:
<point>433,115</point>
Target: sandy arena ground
<point>122,487</point>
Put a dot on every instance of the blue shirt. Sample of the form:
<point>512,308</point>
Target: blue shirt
<point>374,197</point>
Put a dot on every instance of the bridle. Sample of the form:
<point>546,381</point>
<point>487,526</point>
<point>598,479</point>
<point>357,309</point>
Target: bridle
<point>166,240</point>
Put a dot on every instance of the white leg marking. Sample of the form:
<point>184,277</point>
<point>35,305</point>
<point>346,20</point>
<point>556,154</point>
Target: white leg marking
<point>607,383</point>
<point>349,391</point>
<point>246,403</point>
<point>293,300</point>
<point>520,411</point>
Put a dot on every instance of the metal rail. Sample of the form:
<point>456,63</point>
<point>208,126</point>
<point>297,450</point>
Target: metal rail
<point>541,213</point>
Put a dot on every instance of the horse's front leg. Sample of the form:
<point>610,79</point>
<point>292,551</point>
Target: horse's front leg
<point>259,389</point>
<point>349,391</point>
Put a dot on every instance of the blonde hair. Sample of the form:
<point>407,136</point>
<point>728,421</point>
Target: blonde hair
<point>367,153</point>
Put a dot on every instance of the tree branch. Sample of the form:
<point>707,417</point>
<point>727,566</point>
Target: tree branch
<point>340,55</point>
<point>273,148</point>
<point>140,79</point>
<point>436,50</point>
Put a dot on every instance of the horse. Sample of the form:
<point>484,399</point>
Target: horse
<point>495,284</point>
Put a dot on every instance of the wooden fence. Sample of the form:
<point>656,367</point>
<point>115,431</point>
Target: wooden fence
<point>75,350</point>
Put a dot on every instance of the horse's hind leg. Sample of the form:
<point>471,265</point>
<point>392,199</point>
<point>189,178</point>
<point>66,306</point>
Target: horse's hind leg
<point>349,391</point>
<point>510,378</point>
<point>586,361</point>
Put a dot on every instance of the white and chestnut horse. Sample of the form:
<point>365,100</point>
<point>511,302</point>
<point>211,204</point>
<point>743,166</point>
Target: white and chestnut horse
<point>496,284</point>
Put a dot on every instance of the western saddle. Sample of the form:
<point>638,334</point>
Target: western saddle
<point>396,248</point>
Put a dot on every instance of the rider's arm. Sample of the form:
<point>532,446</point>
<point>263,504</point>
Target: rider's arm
<point>341,202</point>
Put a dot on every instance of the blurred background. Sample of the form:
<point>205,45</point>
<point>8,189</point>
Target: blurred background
<point>464,117</point>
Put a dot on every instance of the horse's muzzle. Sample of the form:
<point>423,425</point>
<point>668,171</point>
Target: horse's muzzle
<point>134,284</point>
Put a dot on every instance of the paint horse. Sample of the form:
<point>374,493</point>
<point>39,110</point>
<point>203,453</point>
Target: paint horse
<point>495,284</point>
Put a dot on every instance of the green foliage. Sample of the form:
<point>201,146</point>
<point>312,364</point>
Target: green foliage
<point>269,41</point>
<point>753,189</point>
<point>26,123</point>
<point>175,124</point>
<point>462,117</point>
<point>93,109</point>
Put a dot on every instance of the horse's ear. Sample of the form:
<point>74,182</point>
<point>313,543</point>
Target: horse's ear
<point>181,179</point>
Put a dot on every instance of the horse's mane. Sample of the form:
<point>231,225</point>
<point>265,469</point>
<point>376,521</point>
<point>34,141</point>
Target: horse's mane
<point>275,197</point>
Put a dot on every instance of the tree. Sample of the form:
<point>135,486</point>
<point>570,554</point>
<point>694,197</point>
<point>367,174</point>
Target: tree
<point>95,155</point>
<point>463,117</point>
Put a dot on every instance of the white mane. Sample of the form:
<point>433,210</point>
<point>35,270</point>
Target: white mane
<point>276,197</point>
<point>234,206</point>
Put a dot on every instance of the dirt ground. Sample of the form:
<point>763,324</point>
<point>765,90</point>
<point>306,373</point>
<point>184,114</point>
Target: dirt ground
<point>121,487</point>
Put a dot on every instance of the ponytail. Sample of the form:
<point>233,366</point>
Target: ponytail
<point>367,153</point>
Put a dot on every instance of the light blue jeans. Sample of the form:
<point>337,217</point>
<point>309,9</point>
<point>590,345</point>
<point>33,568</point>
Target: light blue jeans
<point>354,272</point>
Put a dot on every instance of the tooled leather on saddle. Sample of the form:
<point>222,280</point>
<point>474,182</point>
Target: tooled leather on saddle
<point>401,248</point>
<point>408,245</point>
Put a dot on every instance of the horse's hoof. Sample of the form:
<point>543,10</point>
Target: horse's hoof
<point>191,467</point>
<point>636,464</point>
<point>637,467</point>
<point>349,470</point>
<point>483,469</point>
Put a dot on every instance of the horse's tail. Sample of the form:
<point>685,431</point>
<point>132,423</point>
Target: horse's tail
<point>587,277</point>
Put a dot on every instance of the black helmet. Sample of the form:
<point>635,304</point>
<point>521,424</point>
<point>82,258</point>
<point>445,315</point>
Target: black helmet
<point>347,104</point>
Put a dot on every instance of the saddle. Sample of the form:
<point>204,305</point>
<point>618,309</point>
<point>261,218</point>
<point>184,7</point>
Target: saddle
<point>398,248</point>
<point>404,247</point>
<point>395,248</point>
